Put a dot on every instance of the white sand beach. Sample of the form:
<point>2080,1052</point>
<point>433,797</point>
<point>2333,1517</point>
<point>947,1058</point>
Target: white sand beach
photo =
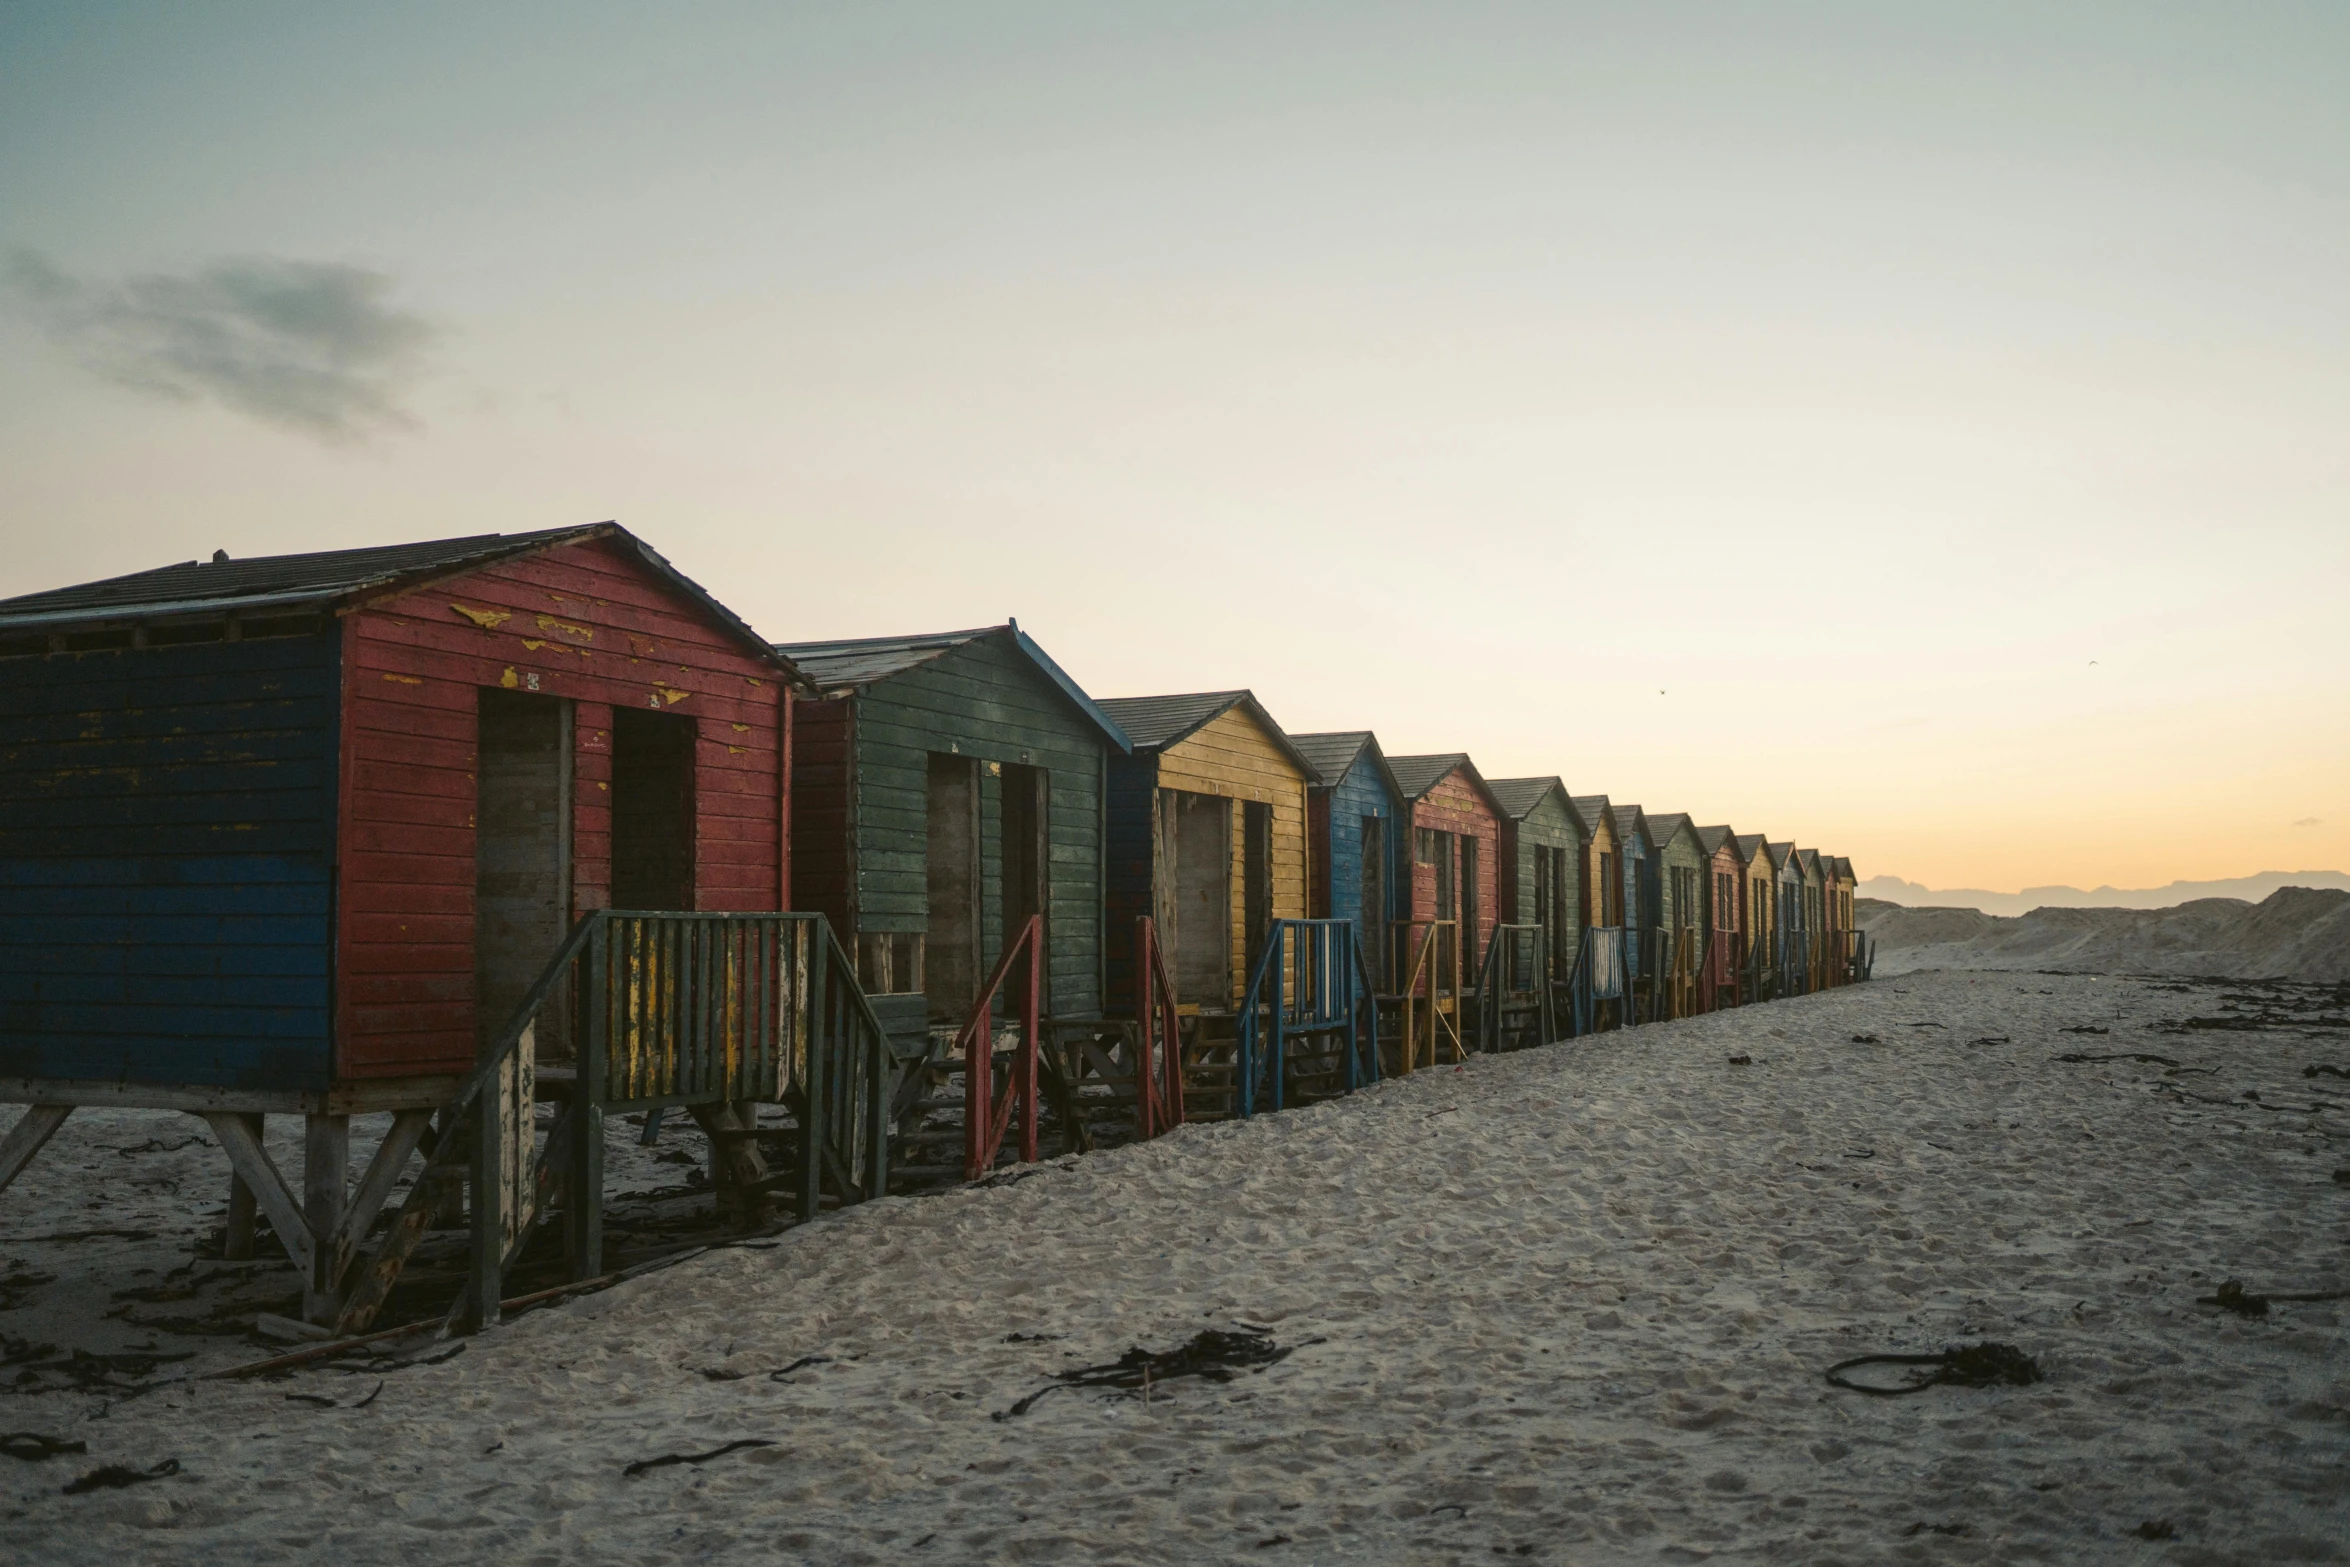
<point>1570,1305</point>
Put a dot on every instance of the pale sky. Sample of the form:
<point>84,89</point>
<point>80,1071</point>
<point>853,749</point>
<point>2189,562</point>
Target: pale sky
<point>1919,431</point>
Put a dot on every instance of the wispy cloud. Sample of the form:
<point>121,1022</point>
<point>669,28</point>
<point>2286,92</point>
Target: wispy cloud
<point>310,346</point>
<point>2310,821</point>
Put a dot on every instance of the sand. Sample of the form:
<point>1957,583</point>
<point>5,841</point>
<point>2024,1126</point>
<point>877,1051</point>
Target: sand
<point>1567,1305</point>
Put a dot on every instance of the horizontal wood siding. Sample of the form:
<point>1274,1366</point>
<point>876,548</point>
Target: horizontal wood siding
<point>1455,806</point>
<point>1338,848</point>
<point>823,808</point>
<point>1682,851</point>
<point>1603,842</point>
<point>584,622</point>
<point>1231,757</point>
<point>1550,825</point>
<point>986,700</point>
<point>166,864</point>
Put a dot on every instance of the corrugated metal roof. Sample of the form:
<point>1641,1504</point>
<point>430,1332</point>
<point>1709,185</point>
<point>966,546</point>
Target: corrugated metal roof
<point>1416,775</point>
<point>842,666</point>
<point>852,664</point>
<point>1154,723</point>
<point>324,577</point>
<point>1519,796</point>
<point>223,585</point>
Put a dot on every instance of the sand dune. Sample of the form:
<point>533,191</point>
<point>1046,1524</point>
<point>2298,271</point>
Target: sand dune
<point>2295,933</point>
<point>1567,1305</point>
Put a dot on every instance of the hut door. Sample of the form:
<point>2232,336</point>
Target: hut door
<point>950,974</point>
<point>521,855</point>
<point>652,810</point>
<point>1256,863</point>
<point>1203,898</point>
<point>1372,912</point>
<point>1026,849</point>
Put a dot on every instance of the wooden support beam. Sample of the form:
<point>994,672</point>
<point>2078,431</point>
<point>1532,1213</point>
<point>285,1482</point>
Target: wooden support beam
<point>326,1194</point>
<point>32,1129</point>
<point>375,1185</point>
<point>249,1159</point>
<point>237,1234</point>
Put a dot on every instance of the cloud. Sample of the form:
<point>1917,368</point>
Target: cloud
<point>310,346</point>
<point>2309,821</point>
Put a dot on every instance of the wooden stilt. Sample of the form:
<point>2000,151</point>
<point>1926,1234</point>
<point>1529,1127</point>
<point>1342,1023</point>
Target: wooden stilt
<point>251,1161</point>
<point>237,1235</point>
<point>326,1192</point>
<point>32,1129</point>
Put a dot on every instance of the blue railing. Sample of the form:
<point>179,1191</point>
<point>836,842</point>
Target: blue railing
<point>1309,983</point>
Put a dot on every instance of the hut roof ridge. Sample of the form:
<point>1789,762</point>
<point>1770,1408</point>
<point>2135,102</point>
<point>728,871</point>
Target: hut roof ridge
<point>1519,796</point>
<point>1153,723</point>
<point>849,663</point>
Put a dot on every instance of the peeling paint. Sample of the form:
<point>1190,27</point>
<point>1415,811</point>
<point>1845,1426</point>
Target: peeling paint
<point>411,680</point>
<point>672,695</point>
<point>566,628</point>
<point>509,679</point>
<point>487,619</point>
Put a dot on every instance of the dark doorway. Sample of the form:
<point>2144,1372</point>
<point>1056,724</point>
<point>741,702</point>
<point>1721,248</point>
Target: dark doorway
<point>1256,901</point>
<point>652,810</point>
<point>1373,910</point>
<point>950,970</point>
<point>521,853</point>
<point>1026,874</point>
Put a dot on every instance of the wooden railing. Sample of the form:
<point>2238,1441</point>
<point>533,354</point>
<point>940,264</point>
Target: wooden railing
<point>1514,989</point>
<point>1310,986</point>
<point>1158,1066</point>
<point>988,1106</point>
<point>1429,1000</point>
<point>1600,979</point>
<point>711,1011</point>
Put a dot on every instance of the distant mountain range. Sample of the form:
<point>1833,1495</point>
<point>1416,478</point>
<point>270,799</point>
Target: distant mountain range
<point>1892,889</point>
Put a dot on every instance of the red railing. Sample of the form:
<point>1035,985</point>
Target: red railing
<point>984,1119</point>
<point>1158,1064</point>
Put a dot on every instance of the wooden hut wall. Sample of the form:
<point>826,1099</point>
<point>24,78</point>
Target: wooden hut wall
<point>861,816</point>
<point>634,657</point>
<point>1680,879</point>
<point>1231,757</point>
<point>1725,891</point>
<point>167,843</point>
<point>1602,872</point>
<point>1456,805</point>
<point>1548,829</point>
<point>1335,833</point>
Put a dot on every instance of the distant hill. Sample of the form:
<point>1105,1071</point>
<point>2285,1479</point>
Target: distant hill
<point>1892,889</point>
<point>2293,933</point>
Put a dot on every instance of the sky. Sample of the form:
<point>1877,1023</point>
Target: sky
<point>1921,432</point>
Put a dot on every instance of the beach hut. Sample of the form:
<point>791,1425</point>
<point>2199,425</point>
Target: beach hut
<point>1598,983</point>
<point>1758,972</point>
<point>328,834</point>
<point>1207,841</point>
<point>1791,947</point>
<point>1454,896</point>
<point>1541,892</point>
<point>1815,918</point>
<point>1836,916</point>
<point>1680,863</point>
<point>1725,919</point>
<point>947,788</point>
<point>1356,839</point>
<point>1639,908</point>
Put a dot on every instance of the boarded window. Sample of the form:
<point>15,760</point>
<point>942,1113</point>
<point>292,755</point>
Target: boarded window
<point>521,856</point>
<point>950,974</point>
<point>652,810</point>
<point>1202,850</point>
